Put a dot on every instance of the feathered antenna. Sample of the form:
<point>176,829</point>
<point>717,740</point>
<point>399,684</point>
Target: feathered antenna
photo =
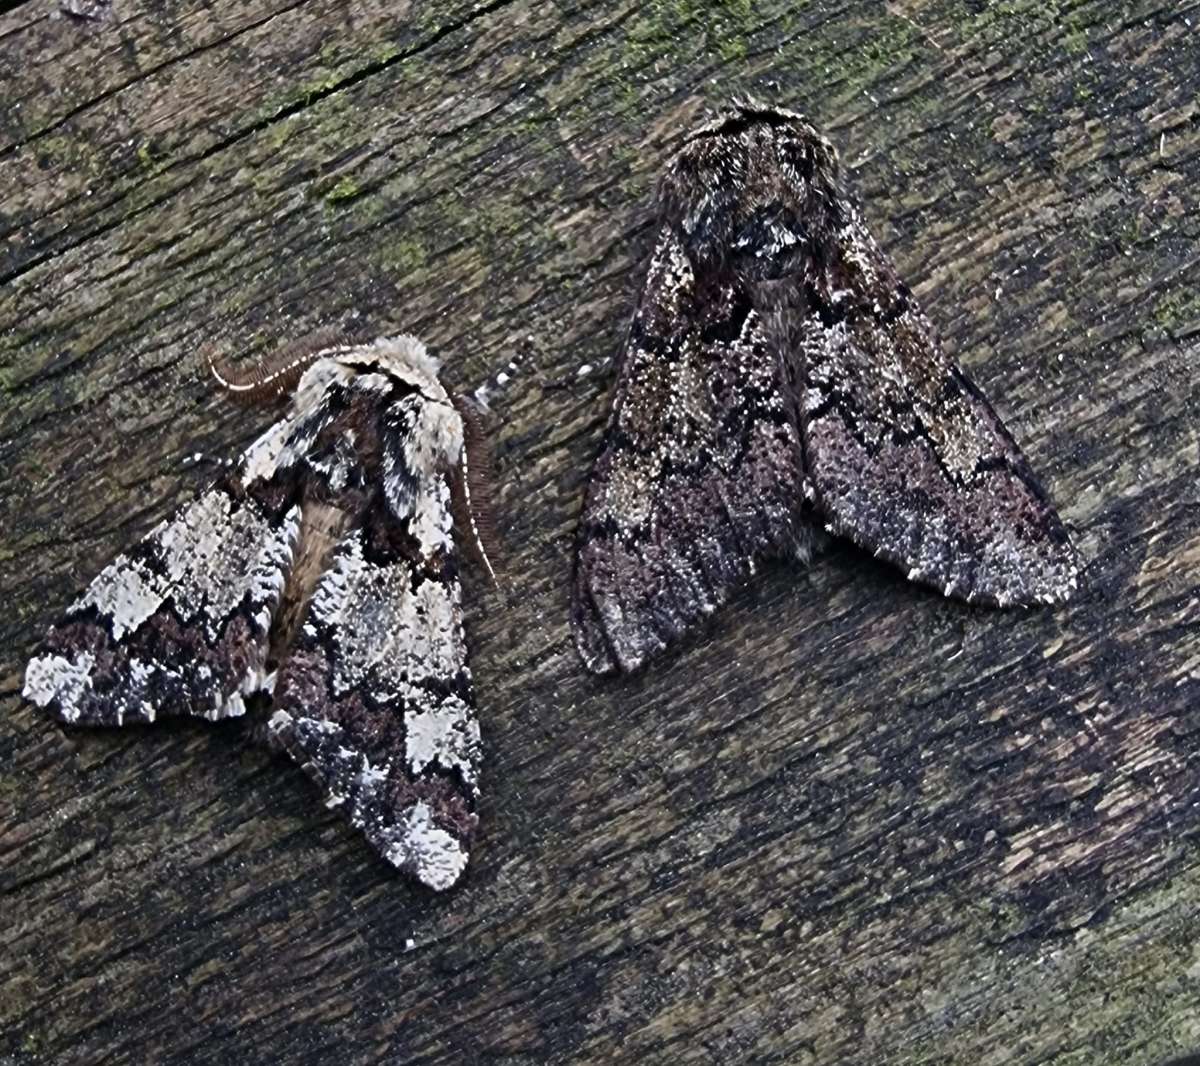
<point>472,486</point>
<point>275,377</point>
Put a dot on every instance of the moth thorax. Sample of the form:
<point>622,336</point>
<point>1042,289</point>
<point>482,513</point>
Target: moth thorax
<point>436,442</point>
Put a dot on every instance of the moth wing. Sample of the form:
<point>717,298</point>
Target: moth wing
<point>179,625</point>
<point>700,474</point>
<point>904,454</point>
<point>374,699</point>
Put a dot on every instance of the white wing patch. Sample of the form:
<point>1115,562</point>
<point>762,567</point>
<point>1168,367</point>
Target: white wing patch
<point>437,857</point>
<point>51,677</point>
<point>383,629</point>
<point>445,735</point>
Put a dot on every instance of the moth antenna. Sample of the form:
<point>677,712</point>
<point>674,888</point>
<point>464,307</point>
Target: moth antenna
<point>275,377</point>
<point>472,487</point>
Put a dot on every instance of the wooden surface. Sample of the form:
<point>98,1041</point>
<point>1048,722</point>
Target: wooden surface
<point>852,822</point>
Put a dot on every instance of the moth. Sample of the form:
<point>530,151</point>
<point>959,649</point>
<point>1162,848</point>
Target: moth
<point>320,572</point>
<point>779,377</point>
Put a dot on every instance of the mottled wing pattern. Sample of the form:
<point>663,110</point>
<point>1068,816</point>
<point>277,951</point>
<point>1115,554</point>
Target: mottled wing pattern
<point>375,700</point>
<point>324,572</point>
<point>374,697</point>
<point>778,371</point>
<point>179,625</point>
<point>904,455</point>
<point>700,473</point>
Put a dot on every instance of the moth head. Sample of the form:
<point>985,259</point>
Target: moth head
<point>753,191</point>
<point>404,357</point>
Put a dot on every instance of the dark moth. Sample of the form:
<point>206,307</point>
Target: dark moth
<point>778,376</point>
<point>321,572</point>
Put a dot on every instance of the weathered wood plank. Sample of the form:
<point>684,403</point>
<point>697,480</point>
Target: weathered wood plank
<point>852,822</point>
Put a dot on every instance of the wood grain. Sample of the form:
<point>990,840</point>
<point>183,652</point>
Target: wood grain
<point>852,822</point>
